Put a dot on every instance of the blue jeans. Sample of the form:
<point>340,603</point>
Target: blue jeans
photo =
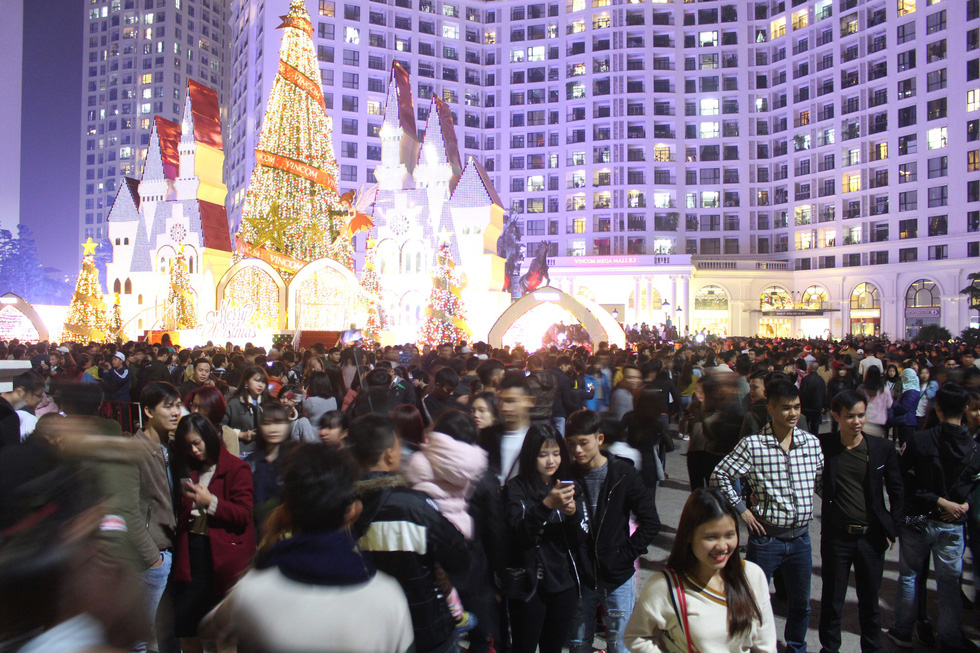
<point>154,582</point>
<point>619,606</point>
<point>946,543</point>
<point>793,557</point>
<point>559,423</point>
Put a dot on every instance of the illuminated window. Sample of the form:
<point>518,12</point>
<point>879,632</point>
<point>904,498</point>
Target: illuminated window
<point>535,184</point>
<point>852,182</point>
<point>600,21</point>
<point>936,138</point>
<point>709,130</point>
<point>973,161</point>
<point>709,107</point>
<point>707,39</point>
<point>906,7</point>
<point>710,199</point>
<point>661,153</point>
<point>517,55</point>
<point>577,5</point>
<point>800,19</point>
<point>450,31</point>
<point>576,26</point>
<point>536,53</point>
<point>973,99</point>
<point>777,28</point>
<point>352,35</point>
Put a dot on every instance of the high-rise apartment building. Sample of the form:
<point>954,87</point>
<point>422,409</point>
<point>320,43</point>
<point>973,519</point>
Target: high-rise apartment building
<point>11,80</point>
<point>138,58</point>
<point>742,160</point>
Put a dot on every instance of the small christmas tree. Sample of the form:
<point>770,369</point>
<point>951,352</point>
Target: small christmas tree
<point>183,314</point>
<point>115,325</point>
<point>445,315</point>
<point>292,205</point>
<point>87,320</point>
<point>371,285</point>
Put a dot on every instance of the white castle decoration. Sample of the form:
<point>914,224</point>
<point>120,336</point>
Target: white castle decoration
<point>179,201</point>
<point>425,197</point>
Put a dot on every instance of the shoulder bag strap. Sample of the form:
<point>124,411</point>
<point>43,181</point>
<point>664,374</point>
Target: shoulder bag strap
<point>678,598</point>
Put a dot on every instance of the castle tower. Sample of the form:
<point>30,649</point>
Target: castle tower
<point>399,140</point>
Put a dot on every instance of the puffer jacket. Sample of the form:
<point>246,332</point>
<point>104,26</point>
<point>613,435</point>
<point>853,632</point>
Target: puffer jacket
<point>543,388</point>
<point>406,537</point>
<point>307,428</point>
<point>447,471</point>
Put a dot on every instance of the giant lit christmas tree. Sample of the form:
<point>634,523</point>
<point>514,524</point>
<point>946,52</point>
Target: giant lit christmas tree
<point>445,315</point>
<point>292,206</point>
<point>180,301</point>
<point>87,320</point>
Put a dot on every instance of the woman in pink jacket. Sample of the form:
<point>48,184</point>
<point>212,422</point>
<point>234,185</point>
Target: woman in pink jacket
<point>448,470</point>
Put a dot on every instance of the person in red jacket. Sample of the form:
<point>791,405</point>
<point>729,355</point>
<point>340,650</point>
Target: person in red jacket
<point>215,532</point>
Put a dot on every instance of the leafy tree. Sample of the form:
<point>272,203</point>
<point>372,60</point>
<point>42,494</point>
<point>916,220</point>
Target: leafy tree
<point>933,332</point>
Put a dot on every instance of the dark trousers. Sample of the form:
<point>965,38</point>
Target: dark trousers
<point>543,622</point>
<point>839,552</point>
<point>700,464</point>
<point>903,433</point>
<point>813,420</point>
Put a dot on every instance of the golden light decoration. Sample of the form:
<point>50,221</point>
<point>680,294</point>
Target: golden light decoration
<point>253,285</point>
<point>324,302</point>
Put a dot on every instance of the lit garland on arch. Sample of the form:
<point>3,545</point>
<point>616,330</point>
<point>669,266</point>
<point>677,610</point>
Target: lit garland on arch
<point>252,285</point>
<point>292,206</point>
<point>180,301</point>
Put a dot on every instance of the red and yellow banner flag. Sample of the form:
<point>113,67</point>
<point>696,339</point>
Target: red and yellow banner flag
<point>304,170</point>
<point>280,261</point>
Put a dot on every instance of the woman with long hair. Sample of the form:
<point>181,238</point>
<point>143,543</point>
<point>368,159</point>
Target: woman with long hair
<point>542,516</point>
<point>244,411</point>
<point>409,427</point>
<point>928,387</point>
<point>215,537</point>
<point>707,598</point>
<point>879,401</point>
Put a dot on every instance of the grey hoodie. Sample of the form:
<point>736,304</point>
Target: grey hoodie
<point>307,429</point>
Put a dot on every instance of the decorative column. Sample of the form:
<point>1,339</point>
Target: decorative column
<point>636,301</point>
<point>672,298</point>
<point>649,285</point>
<point>685,298</point>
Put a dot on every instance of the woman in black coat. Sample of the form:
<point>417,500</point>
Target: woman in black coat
<point>543,518</point>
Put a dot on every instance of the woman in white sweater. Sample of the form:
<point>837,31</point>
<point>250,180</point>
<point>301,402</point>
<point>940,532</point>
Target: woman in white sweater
<point>725,600</point>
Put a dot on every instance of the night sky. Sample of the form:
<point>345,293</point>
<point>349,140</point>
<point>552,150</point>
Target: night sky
<point>51,122</point>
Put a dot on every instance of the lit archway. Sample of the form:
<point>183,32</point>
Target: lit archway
<point>599,324</point>
<point>253,281</point>
<point>923,306</point>
<point>18,319</point>
<point>711,311</point>
<point>865,310</point>
<point>321,297</point>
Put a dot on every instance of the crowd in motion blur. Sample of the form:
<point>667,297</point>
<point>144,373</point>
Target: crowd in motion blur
<point>395,499</point>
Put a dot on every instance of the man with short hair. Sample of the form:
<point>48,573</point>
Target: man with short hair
<point>154,538</point>
<point>611,489</point>
<point>813,398</point>
<point>875,360</point>
<point>405,535</point>
<point>503,443</point>
<point>440,398</point>
<point>15,423</point>
<point>941,467</point>
<point>621,398</point>
<point>857,526</point>
<point>288,604</point>
<point>784,466</point>
<point>200,377</point>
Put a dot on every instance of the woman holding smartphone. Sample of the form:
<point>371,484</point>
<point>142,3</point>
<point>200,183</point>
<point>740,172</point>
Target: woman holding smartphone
<point>542,516</point>
<point>215,536</point>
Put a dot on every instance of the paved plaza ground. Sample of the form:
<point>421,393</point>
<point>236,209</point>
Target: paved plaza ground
<point>671,496</point>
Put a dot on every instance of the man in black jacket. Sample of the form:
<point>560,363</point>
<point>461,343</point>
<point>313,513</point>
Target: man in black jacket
<point>404,533</point>
<point>564,402</point>
<point>612,489</point>
<point>813,398</point>
<point>941,467</point>
<point>857,527</point>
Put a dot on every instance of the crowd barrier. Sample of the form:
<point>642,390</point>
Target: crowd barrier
<point>127,413</point>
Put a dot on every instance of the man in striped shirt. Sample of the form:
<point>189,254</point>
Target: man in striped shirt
<point>784,465</point>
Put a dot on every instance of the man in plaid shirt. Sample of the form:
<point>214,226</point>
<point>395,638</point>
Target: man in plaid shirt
<point>784,466</point>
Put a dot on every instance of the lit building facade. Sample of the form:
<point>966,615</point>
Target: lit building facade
<point>138,58</point>
<point>801,167</point>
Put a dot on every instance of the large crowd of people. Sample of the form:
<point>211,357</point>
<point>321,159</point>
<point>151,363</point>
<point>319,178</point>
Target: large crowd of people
<point>404,498</point>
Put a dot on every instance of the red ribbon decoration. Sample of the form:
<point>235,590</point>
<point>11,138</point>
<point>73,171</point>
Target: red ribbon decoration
<point>298,168</point>
<point>298,23</point>
<point>290,74</point>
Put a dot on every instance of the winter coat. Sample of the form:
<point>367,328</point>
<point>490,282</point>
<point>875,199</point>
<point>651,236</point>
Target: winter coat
<point>556,535</point>
<point>447,471</point>
<point>244,416</point>
<point>118,384</point>
<point>607,553</point>
<point>307,428</point>
<point>813,393</point>
<point>230,529</point>
<point>941,462</point>
<point>406,537</point>
<point>543,386</point>
<point>904,408</point>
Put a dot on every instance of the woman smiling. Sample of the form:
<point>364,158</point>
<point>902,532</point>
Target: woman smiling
<point>707,599</point>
